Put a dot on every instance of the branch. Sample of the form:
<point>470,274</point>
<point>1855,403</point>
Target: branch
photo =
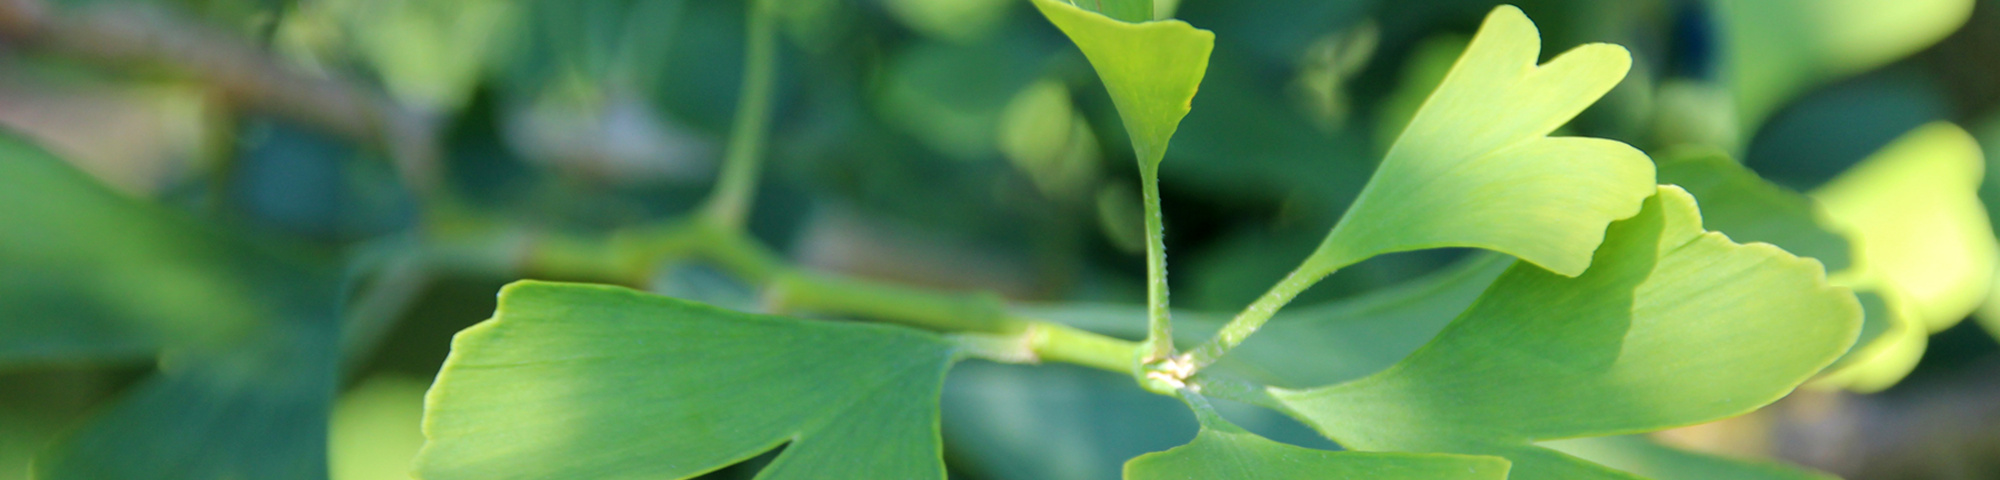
<point>129,35</point>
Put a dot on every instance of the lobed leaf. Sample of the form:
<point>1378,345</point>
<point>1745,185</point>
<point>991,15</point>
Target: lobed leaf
<point>1670,326</point>
<point>1082,424</point>
<point>583,381</point>
<point>1475,167</point>
<point>1151,69</point>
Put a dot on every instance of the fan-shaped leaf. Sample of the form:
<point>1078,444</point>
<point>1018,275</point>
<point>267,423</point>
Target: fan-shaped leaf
<point>1924,243</point>
<point>1475,167</point>
<point>1152,69</point>
<point>581,381</point>
<point>1670,326</point>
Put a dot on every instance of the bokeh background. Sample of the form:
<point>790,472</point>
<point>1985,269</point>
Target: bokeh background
<point>351,181</point>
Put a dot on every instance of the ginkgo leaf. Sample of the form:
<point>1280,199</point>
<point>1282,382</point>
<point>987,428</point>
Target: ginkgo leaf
<point>93,274</point>
<point>257,410</point>
<point>1777,49</point>
<point>1671,326</point>
<point>584,381</point>
<point>1082,424</point>
<point>1747,208</point>
<point>1223,451</point>
<point>1151,69</point>
<point>1349,339</point>
<point>1924,243</point>
<point>1914,210</point>
<point>1636,454</point>
<point>1475,167</point>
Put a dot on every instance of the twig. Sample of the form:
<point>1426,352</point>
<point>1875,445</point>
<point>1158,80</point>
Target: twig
<point>126,35</point>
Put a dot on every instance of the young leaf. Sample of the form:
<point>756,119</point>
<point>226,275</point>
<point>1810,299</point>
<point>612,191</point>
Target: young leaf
<point>1151,69</point>
<point>1925,242</point>
<point>1224,451</point>
<point>1475,167</point>
<point>1655,335</point>
<point>582,381</point>
<point>1738,203</point>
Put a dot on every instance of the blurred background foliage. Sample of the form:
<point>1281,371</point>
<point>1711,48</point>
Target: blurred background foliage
<point>237,235</point>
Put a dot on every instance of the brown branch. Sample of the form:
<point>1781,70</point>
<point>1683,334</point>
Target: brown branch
<point>246,77</point>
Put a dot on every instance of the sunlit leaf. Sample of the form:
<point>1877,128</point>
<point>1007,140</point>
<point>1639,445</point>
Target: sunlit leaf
<point>1152,69</point>
<point>1224,451</point>
<point>1925,244</point>
<point>1657,334</point>
<point>1638,455</point>
<point>377,429</point>
<point>1738,203</point>
<point>580,381</point>
<point>1475,167</point>
<point>1082,424</point>
<point>1914,210</point>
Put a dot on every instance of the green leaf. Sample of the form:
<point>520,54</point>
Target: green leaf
<point>1152,69</point>
<point>1655,335</point>
<point>1639,455</point>
<point>93,274</point>
<point>1349,339</point>
<point>1082,424</point>
<point>376,429</point>
<point>1914,208</point>
<point>582,381</point>
<point>1475,167</point>
<point>1747,208</point>
<point>1224,451</point>
<point>258,410</point>
<point>1925,243</point>
<point>248,329</point>
<point>1129,11</point>
<point>1777,49</point>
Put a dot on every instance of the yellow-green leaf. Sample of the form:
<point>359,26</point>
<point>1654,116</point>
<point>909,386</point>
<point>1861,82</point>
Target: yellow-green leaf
<point>1657,334</point>
<point>1475,167</point>
<point>1152,69</point>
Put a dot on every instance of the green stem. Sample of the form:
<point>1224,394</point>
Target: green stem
<point>968,312</point>
<point>1159,324</point>
<point>729,204</point>
<point>1040,341</point>
<point>1063,343</point>
<point>1252,318</point>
